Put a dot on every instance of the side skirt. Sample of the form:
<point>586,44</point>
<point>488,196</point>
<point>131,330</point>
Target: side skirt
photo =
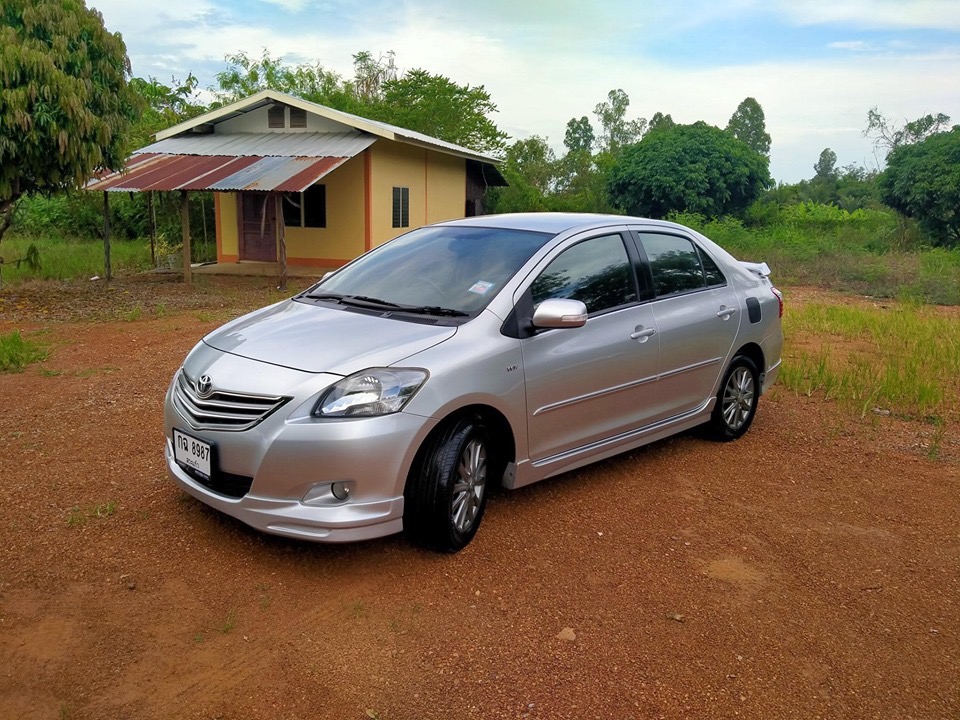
<point>528,472</point>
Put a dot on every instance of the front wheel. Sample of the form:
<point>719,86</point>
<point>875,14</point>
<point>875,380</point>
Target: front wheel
<point>446,492</point>
<point>737,400</point>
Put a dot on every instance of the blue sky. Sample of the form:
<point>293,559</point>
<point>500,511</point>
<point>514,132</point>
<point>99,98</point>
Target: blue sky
<point>816,66</point>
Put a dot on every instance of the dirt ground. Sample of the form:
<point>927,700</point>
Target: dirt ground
<point>809,570</point>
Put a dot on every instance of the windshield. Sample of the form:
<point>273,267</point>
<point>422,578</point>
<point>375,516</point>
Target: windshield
<point>457,269</point>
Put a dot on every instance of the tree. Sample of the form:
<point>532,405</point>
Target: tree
<point>437,106</point>
<point>430,104</point>
<point>888,134</point>
<point>579,136</point>
<point>163,106</point>
<point>65,104</point>
<point>922,181</point>
<point>826,166</point>
<point>748,124</point>
<point>246,76</point>
<point>371,76</point>
<point>529,167</point>
<point>694,168</point>
<point>616,130</point>
<point>659,121</point>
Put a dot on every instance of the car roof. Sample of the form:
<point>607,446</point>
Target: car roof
<point>554,223</point>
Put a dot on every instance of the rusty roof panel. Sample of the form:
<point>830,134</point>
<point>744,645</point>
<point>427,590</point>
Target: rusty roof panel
<point>223,173</point>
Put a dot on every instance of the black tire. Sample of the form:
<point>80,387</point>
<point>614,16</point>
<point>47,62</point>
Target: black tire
<point>736,400</point>
<point>446,492</point>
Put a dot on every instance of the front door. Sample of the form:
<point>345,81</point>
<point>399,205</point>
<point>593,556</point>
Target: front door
<point>589,384</point>
<point>258,227</point>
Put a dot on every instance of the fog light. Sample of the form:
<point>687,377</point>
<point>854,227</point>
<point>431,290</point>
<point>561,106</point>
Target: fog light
<point>340,490</point>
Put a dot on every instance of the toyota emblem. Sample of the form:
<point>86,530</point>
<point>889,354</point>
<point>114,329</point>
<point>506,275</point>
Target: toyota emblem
<point>204,386</point>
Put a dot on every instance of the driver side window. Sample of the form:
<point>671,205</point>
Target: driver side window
<point>596,271</point>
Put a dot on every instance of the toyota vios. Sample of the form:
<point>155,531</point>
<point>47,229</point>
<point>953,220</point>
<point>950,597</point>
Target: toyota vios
<point>492,350</point>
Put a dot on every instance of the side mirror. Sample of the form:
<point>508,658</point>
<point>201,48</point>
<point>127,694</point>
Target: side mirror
<point>560,313</point>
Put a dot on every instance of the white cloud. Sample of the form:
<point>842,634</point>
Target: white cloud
<point>854,45</point>
<point>540,75</point>
<point>874,14</point>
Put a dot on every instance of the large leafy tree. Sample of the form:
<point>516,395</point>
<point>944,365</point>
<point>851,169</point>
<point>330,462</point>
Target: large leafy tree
<point>694,168</point>
<point>579,136</point>
<point>65,104</point>
<point>749,125</point>
<point>922,181</point>
<point>416,100</point>
<point>530,168</point>
<point>246,75</point>
<point>437,106</point>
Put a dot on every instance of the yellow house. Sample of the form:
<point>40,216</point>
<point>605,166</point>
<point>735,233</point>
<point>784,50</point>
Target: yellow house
<point>307,185</point>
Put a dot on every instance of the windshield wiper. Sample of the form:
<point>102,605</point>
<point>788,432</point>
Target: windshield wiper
<point>357,300</point>
<point>365,301</point>
<point>433,310</point>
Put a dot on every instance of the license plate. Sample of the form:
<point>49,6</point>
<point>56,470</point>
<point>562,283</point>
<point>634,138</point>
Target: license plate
<point>193,453</point>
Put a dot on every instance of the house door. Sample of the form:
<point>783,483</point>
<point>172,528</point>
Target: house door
<point>258,227</point>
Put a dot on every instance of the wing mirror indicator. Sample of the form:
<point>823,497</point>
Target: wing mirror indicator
<point>560,313</point>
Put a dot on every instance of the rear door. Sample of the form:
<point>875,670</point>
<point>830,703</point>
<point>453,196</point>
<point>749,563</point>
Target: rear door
<point>587,384</point>
<point>697,313</point>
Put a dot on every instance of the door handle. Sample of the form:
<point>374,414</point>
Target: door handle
<point>726,312</point>
<point>642,334</point>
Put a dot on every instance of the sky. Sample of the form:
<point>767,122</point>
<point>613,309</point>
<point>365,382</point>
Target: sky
<point>815,66</point>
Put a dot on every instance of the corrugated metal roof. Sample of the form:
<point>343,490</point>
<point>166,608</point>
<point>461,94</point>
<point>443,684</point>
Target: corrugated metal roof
<point>385,130</point>
<point>286,144</point>
<point>152,171</point>
<point>281,162</point>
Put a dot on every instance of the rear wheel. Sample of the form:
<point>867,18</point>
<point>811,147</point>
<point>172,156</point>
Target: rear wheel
<point>737,400</point>
<point>446,492</point>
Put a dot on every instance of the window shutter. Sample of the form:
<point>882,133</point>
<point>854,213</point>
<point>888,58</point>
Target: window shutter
<point>276,116</point>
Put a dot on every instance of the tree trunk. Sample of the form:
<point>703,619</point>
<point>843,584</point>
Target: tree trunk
<point>8,207</point>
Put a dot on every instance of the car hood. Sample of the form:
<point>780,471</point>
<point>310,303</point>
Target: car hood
<point>314,338</point>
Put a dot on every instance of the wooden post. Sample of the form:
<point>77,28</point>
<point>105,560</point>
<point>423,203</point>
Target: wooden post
<point>282,241</point>
<point>152,216</point>
<point>106,236</point>
<point>185,231</point>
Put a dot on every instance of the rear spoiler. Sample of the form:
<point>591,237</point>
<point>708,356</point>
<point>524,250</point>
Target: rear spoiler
<point>761,269</point>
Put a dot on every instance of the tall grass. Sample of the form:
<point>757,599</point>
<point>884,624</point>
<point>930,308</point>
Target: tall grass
<point>16,352</point>
<point>904,358</point>
<point>64,258</point>
<point>866,252</point>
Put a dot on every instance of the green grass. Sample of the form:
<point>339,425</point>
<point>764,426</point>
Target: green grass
<point>16,352</point>
<point>903,358</point>
<point>66,258</point>
<point>78,517</point>
<point>229,623</point>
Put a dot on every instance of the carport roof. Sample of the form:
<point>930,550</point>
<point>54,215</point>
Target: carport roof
<point>280,162</point>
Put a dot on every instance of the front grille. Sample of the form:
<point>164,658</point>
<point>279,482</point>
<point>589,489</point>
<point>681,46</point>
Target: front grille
<point>221,409</point>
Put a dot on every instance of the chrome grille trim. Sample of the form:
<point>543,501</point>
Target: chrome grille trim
<point>222,409</point>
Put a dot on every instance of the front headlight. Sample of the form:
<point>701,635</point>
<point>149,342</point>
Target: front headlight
<point>376,391</point>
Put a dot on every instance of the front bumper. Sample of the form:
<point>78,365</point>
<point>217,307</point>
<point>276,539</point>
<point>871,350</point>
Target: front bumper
<point>347,522</point>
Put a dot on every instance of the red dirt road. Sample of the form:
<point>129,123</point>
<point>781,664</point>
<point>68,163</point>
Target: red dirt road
<point>809,570</point>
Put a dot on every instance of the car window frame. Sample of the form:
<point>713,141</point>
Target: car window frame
<point>647,269</point>
<point>519,323</point>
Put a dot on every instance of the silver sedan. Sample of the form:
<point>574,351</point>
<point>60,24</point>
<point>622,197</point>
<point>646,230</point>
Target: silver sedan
<point>502,350</point>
